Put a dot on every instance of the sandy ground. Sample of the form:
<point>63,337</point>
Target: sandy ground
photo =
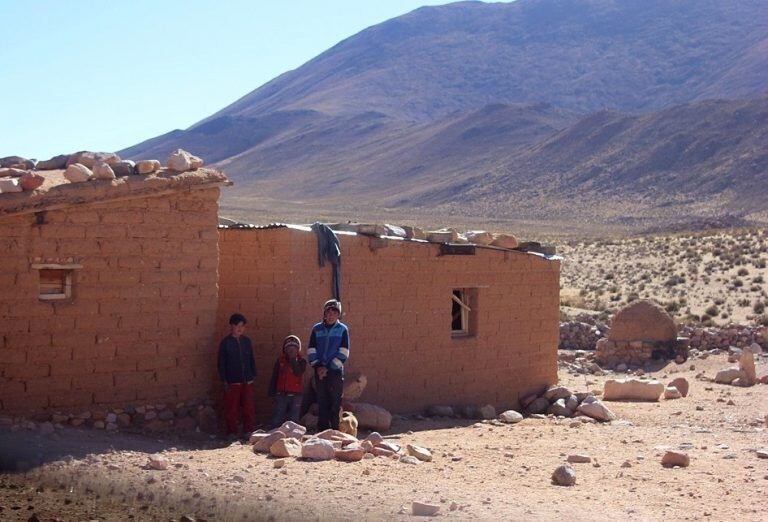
<point>481,470</point>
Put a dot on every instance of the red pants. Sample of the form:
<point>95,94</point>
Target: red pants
<point>239,400</point>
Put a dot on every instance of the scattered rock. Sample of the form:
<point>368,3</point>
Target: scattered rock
<point>670,392</point>
<point>681,383</point>
<point>564,475</point>
<point>10,185</point>
<point>31,181</point>
<point>422,509</point>
<point>279,463</point>
<point>510,417</point>
<point>762,453</point>
<point>675,458</point>
<point>263,444</point>
<point>538,406</point>
<point>124,168</point>
<point>423,454</point>
<point>557,392</point>
<point>632,390</point>
<point>596,410</point>
<point>351,453</point>
<point>579,459</point>
<point>78,173</point>
<point>375,438</point>
<point>558,408</point>
<point>318,449</point>
<point>147,166</point>
<point>728,375</point>
<point>55,163</point>
<point>409,459</point>
<point>182,161</point>
<point>17,162</point>
<point>486,412</point>
<point>157,462</point>
<point>286,447</point>
<point>103,171</point>
<point>505,241</point>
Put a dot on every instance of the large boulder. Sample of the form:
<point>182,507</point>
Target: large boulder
<point>505,241</point>
<point>101,170</point>
<point>263,444</point>
<point>181,161</point>
<point>371,417</point>
<point>643,320</point>
<point>539,405</point>
<point>557,392</point>
<point>681,383</point>
<point>10,185</point>
<point>89,159</point>
<point>632,390</point>
<point>147,166</point>
<point>559,408</point>
<point>124,168</point>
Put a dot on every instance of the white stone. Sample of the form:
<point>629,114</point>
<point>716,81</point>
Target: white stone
<point>286,447</point>
<point>78,173</point>
<point>409,459</point>
<point>510,417</point>
<point>10,185</point>
<point>632,390</point>
<point>147,166</point>
<point>103,171</point>
<point>264,444</point>
<point>318,449</point>
<point>423,454</point>
<point>728,375</point>
<point>182,161</point>
<point>596,410</point>
<point>670,392</point>
<point>158,462</point>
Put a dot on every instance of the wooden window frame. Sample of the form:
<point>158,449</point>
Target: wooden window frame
<point>68,274</point>
<point>466,310</point>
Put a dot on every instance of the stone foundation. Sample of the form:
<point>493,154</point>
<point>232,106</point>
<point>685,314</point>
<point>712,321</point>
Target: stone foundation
<point>636,353</point>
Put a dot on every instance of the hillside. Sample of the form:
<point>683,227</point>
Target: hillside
<point>531,109</point>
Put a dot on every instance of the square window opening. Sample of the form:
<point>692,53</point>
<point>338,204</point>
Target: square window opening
<point>55,284</point>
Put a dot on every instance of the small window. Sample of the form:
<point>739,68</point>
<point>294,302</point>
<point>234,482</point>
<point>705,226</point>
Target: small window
<point>55,281</point>
<point>460,312</point>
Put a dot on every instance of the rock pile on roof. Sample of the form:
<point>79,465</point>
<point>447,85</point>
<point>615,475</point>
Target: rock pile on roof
<point>19,174</point>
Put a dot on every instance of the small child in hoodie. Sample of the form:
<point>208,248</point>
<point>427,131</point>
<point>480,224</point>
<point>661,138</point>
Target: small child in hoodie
<point>287,382</point>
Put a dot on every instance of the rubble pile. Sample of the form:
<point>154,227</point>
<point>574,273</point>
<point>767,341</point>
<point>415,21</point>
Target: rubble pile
<point>290,440</point>
<point>562,402</point>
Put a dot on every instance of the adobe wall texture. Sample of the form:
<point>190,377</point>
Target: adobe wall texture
<point>397,304</point>
<point>140,327</point>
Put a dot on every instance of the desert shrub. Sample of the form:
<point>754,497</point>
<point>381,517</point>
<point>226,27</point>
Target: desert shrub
<point>738,283</point>
<point>758,279</point>
<point>672,307</point>
<point>758,307</point>
<point>712,311</point>
<point>742,272</point>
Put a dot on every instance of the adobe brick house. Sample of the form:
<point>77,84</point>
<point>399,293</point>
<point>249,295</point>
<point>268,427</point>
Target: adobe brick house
<point>397,298</point>
<point>117,293</point>
<point>108,292</point>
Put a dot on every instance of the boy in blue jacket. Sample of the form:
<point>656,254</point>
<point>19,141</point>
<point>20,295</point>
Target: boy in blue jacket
<point>237,370</point>
<point>328,351</point>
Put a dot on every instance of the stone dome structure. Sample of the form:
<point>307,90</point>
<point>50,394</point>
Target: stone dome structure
<point>643,320</point>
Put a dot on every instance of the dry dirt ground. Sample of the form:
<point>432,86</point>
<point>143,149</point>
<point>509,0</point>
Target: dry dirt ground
<point>484,471</point>
<point>715,277</point>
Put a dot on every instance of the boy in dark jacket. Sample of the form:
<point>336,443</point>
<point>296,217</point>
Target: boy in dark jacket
<point>237,370</point>
<point>328,351</point>
<point>287,383</point>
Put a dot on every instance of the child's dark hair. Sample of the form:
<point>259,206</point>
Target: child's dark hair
<point>237,319</point>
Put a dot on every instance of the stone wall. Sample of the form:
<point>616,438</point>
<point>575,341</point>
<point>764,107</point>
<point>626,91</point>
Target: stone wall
<point>635,353</point>
<point>139,326</point>
<point>397,303</point>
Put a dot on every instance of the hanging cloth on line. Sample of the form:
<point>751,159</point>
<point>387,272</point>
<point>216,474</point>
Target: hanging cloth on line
<point>329,249</point>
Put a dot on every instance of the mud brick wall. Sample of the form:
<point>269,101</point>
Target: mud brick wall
<point>140,325</point>
<point>397,304</point>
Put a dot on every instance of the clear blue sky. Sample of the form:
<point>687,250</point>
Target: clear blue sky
<point>104,75</point>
